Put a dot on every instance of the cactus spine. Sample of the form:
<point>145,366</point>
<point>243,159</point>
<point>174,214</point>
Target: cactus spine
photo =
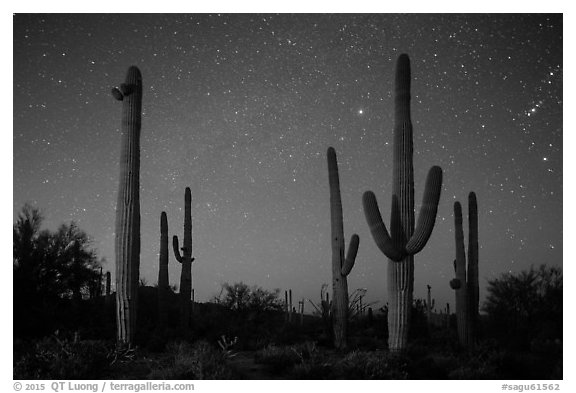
<point>186,260</point>
<point>404,241</point>
<point>127,242</point>
<point>163,284</point>
<point>340,267</point>
<point>466,282</point>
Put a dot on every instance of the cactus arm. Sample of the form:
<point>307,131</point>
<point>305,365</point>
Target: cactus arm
<point>117,94</point>
<point>428,211</point>
<point>455,284</point>
<point>351,255</point>
<point>126,89</point>
<point>378,228</point>
<point>176,249</point>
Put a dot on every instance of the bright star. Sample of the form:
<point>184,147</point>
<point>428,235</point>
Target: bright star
<point>360,111</point>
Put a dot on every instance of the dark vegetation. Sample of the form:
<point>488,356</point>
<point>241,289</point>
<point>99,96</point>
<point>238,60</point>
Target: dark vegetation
<point>64,327</point>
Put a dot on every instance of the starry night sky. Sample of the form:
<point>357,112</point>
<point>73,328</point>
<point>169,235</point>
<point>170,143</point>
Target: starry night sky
<point>242,108</point>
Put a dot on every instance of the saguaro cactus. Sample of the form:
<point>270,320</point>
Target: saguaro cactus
<point>163,284</point>
<point>290,312</point>
<point>127,242</point>
<point>429,305</point>
<point>404,241</point>
<point>466,282</point>
<point>108,283</point>
<point>340,267</point>
<point>186,260</point>
<point>286,306</point>
<point>108,297</point>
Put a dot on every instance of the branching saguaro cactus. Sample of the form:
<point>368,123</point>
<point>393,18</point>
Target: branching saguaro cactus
<point>127,242</point>
<point>466,282</point>
<point>186,260</point>
<point>403,242</point>
<point>163,284</point>
<point>341,266</point>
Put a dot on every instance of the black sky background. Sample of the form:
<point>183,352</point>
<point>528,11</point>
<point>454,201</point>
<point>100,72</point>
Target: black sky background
<point>241,108</point>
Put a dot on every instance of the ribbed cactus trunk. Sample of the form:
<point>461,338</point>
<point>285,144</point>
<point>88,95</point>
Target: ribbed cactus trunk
<point>465,284</point>
<point>460,270</point>
<point>404,240</point>
<point>472,273</point>
<point>186,260</point>
<point>163,272</point>
<point>401,274</point>
<point>127,243</point>
<point>341,266</point>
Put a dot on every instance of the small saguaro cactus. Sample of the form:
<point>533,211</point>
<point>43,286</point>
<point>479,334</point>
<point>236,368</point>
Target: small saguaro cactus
<point>341,266</point>
<point>429,305</point>
<point>108,298</point>
<point>127,242</point>
<point>99,287</point>
<point>290,308</point>
<point>163,284</point>
<point>108,283</point>
<point>286,314</point>
<point>466,282</point>
<point>186,260</point>
<point>404,240</point>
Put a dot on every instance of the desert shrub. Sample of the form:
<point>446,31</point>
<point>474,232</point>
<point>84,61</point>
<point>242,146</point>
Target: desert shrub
<point>279,359</point>
<point>241,297</point>
<point>371,365</point>
<point>54,358</point>
<point>314,364</point>
<point>197,361</point>
<point>525,306</point>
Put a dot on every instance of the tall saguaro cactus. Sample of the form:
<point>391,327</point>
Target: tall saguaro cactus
<point>341,266</point>
<point>404,240</point>
<point>163,271</point>
<point>466,282</point>
<point>127,242</point>
<point>186,260</point>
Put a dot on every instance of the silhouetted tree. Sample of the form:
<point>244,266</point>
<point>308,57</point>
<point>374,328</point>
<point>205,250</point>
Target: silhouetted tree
<point>526,305</point>
<point>48,264</point>
<point>241,297</point>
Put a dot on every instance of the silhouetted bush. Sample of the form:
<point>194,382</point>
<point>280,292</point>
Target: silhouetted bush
<point>241,297</point>
<point>525,306</point>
